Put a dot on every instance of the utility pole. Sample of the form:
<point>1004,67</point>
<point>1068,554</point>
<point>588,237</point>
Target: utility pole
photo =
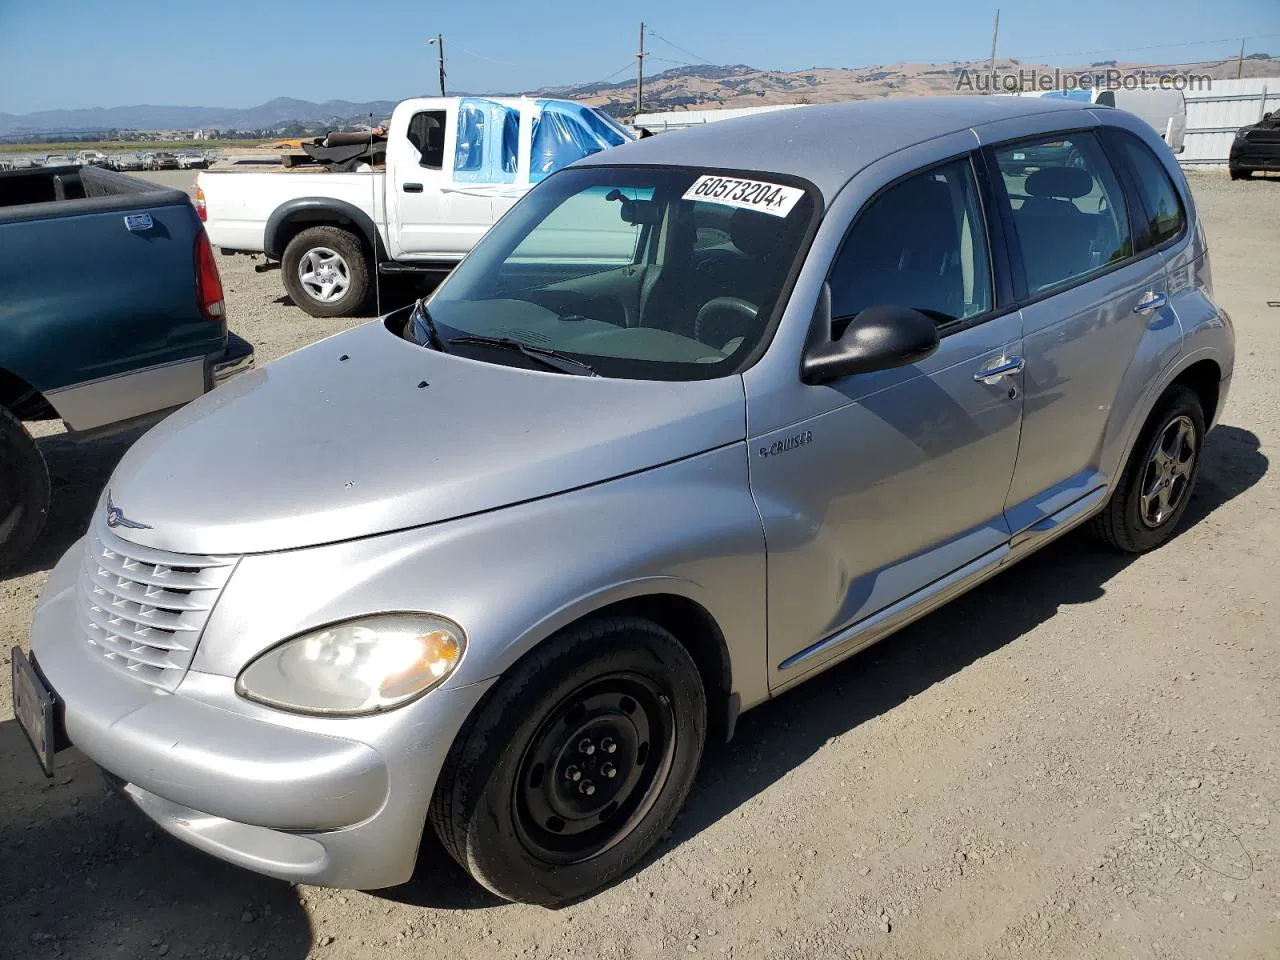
<point>991,67</point>
<point>1240,62</point>
<point>640,71</point>
<point>438,42</point>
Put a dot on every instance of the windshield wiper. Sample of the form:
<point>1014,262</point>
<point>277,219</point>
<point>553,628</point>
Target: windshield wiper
<point>547,357</point>
<point>433,335</point>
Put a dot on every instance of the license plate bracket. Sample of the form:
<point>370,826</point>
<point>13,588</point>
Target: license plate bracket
<point>34,708</point>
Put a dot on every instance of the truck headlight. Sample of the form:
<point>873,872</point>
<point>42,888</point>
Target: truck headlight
<point>356,667</point>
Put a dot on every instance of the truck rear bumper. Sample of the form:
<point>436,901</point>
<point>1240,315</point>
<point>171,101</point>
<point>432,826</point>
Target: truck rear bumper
<point>234,360</point>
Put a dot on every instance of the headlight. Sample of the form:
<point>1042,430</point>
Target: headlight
<point>357,667</point>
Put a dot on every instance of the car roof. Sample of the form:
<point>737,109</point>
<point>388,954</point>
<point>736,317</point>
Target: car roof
<point>827,144</point>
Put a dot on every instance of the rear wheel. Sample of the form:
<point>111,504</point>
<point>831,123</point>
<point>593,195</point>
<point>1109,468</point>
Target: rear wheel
<point>1155,488</point>
<point>326,272</point>
<point>576,765</point>
<point>24,490</point>
<point>1237,174</point>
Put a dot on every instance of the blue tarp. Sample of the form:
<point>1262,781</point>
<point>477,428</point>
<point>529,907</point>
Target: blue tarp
<point>565,132</point>
<point>488,142</point>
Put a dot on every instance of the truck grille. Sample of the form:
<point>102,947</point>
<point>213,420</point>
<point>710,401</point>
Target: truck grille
<point>145,609</point>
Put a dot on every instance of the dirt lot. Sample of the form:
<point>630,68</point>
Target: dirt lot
<point>1078,759</point>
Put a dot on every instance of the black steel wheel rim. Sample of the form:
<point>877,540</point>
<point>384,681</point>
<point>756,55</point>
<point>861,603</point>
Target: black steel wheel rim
<point>594,768</point>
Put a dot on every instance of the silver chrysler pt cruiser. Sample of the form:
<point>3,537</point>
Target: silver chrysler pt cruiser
<point>699,418</point>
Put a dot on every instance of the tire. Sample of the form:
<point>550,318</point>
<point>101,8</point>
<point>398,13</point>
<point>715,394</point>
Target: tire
<point>24,490</point>
<point>1238,174</point>
<point>328,252</point>
<point>1133,523</point>
<point>615,687</point>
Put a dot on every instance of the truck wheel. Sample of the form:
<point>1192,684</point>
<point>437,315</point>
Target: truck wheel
<point>24,490</point>
<point>1155,488</point>
<point>576,764</point>
<point>326,272</point>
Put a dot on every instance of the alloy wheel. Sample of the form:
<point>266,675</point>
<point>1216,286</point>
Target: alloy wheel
<point>1167,476</point>
<point>324,274</point>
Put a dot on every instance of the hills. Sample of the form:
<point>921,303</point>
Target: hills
<point>698,86</point>
<point>273,113</point>
<point>709,87</point>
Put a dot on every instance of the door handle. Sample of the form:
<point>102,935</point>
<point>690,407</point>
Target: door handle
<point>1150,301</point>
<point>1003,368</point>
<point>413,188</point>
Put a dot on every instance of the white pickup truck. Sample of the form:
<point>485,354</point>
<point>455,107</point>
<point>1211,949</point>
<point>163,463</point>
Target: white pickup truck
<point>453,166</point>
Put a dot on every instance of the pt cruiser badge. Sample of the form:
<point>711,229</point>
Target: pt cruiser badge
<point>787,444</point>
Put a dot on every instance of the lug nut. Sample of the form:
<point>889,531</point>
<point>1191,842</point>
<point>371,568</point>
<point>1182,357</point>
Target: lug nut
<point>609,771</point>
<point>586,746</point>
<point>608,746</point>
<point>587,787</point>
<point>572,773</point>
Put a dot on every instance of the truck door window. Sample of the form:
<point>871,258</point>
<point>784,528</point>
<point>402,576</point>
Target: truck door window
<point>426,133</point>
<point>469,155</point>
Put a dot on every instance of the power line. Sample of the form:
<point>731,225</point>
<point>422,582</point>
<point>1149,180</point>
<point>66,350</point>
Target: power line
<point>481,56</point>
<point>689,53</point>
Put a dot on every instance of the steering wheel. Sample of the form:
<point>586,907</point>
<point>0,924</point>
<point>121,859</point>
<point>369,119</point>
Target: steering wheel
<point>735,308</point>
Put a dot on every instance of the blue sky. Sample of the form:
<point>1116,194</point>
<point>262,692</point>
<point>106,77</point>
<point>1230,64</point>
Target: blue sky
<point>239,53</point>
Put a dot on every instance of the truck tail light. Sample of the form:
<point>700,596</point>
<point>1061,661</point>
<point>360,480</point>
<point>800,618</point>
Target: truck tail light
<point>208,283</point>
<point>202,208</point>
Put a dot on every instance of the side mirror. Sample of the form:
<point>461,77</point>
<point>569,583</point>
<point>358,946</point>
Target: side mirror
<point>878,338</point>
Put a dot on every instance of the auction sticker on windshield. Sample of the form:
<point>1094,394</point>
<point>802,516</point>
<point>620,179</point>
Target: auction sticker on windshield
<point>771,198</point>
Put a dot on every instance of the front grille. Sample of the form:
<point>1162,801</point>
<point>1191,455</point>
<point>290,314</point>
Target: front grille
<point>145,609</point>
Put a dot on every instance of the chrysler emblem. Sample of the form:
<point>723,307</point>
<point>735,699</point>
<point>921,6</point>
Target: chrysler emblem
<point>116,518</point>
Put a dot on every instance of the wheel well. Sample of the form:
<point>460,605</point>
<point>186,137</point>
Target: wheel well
<point>295,225</point>
<point>695,628</point>
<point>1205,378</point>
<point>24,400</point>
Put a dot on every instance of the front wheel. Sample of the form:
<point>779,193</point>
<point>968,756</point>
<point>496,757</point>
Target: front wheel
<point>1155,488</point>
<point>578,762</point>
<point>1239,174</point>
<point>326,272</point>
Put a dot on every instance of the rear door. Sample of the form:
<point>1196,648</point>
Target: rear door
<point>1090,304</point>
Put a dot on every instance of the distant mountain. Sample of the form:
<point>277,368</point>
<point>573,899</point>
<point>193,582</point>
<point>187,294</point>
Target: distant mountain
<point>282,110</point>
<point>702,85</point>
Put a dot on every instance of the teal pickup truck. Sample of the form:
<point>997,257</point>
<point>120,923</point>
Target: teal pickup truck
<point>111,316</point>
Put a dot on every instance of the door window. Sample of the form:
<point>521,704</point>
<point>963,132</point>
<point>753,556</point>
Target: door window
<point>426,133</point>
<point>1069,214</point>
<point>921,244</point>
<point>1162,218</point>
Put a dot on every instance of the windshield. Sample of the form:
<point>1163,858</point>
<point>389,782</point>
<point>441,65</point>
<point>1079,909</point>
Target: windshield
<point>638,272</point>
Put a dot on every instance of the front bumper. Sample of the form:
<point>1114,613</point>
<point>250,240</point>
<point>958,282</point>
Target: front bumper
<point>1248,155</point>
<point>336,802</point>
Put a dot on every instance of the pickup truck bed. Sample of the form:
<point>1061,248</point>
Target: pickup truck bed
<point>111,315</point>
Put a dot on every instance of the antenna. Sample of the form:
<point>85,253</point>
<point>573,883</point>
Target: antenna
<point>373,205</point>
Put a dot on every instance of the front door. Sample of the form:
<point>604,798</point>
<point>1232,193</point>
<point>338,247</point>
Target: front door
<point>902,483</point>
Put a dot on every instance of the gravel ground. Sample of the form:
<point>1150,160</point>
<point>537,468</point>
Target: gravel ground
<point>1077,759</point>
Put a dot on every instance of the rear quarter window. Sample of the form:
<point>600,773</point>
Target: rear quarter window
<point>1159,216</point>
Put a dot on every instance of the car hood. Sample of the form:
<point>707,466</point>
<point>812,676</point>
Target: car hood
<point>365,433</point>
